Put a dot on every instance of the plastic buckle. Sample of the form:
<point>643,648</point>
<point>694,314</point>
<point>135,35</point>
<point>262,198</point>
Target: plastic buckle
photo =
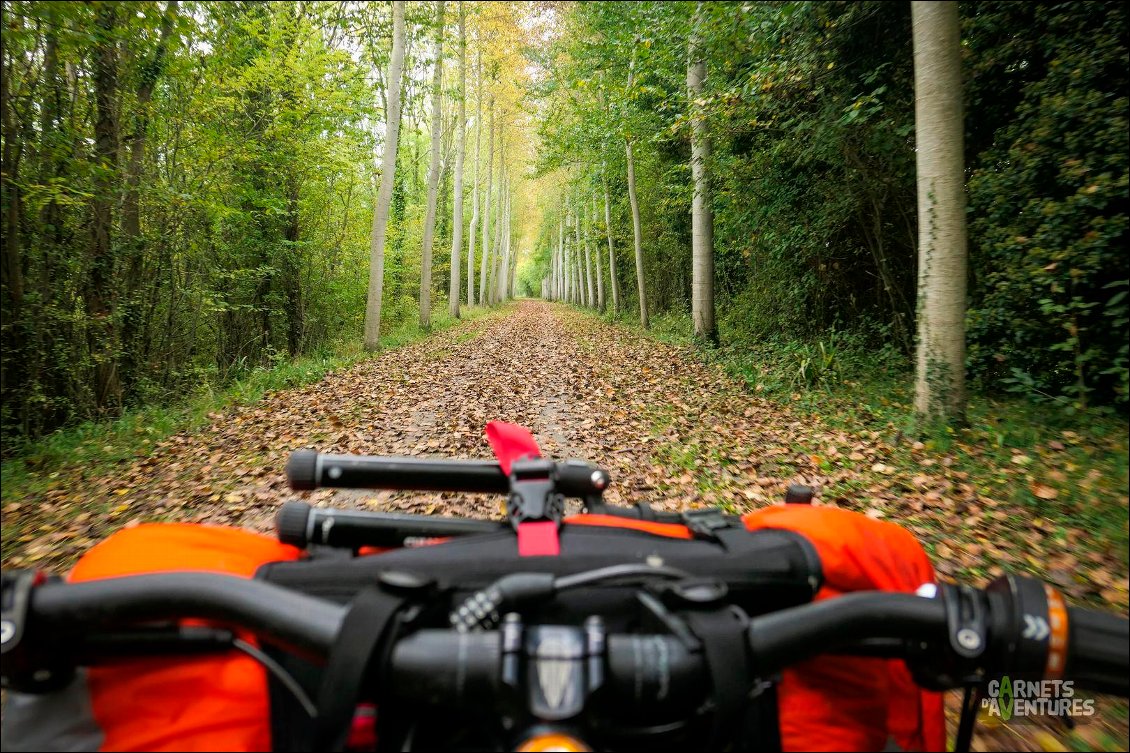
<point>533,493</point>
<point>705,524</point>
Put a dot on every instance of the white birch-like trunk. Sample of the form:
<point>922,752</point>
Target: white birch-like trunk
<point>613,279</point>
<point>496,247</point>
<point>702,213</point>
<point>637,231</point>
<point>486,204</point>
<point>552,271</point>
<point>561,256</point>
<point>939,393</point>
<point>503,257</point>
<point>471,232</point>
<point>599,272</point>
<point>583,248</point>
<point>384,192</point>
<point>433,178</point>
<point>460,152</point>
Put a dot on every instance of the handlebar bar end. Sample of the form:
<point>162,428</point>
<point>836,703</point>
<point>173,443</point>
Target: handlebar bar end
<point>302,470</point>
<point>292,522</point>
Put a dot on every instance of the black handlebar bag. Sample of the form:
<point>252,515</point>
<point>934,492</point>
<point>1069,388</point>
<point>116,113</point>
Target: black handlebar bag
<point>763,571</point>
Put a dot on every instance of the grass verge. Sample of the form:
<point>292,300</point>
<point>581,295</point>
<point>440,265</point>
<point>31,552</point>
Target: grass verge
<point>1064,471</point>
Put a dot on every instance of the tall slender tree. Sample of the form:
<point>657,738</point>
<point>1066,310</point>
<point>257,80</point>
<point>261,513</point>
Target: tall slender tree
<point>103,332</point>
<point>486,203</point>
<point>589,239</point>
<point>637,230</point>
<point>939,130</point>
<point>384,192</point>
<point>702,213</point>
<point>471,231</point>
<point>460,150</point>
<point>613,279</point>
<point>583,248</point>
<point>433,176</point>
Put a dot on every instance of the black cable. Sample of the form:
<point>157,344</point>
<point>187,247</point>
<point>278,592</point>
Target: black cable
<point>280,674</point>
<point>617,571</point>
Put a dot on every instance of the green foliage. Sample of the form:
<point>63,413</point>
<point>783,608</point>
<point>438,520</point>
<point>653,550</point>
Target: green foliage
<point>254,189</point>
<point>1049,220</point>
<point>811,110</point>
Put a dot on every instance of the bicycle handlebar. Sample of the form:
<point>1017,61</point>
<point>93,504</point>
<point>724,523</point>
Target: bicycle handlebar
<point>433,663</point>
<point>308,469</point>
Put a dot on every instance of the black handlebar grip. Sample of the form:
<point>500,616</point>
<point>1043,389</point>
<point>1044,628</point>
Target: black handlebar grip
<point>1098,651</point>
<point>576,478</point>
<point>292,522</point>
<point>302,470</point>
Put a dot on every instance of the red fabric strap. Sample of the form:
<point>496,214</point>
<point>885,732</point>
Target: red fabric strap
<point>511,442</point>
<point>538,539</point>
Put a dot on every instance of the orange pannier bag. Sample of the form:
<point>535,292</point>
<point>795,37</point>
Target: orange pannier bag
<point>847,702</point>
<point>193,704</point>
<point>221,703</point>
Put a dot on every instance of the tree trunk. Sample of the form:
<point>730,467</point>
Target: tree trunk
<point>940,384</point>
<point>460,151</point>
<point>496,248</point>
<point>11,272</point>
<point>596,257</point>
<point>637,231</point>
<point>384,193</point>
<point>103,332</point>
<point>561,256</point>
<point>131,220</point>
<point>702,213</point>
<point>504,257</point>
<point>613,279</point>
<point>590,292</point>
<point>471,231</point>
<point>292,273</point>
<point>131,202</point>
<point>433,178</point>
<point>486,204</point>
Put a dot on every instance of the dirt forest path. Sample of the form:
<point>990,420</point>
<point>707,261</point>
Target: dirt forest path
<point>673,431</point>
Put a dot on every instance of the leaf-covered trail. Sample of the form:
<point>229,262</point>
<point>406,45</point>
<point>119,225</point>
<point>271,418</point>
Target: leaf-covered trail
<point>673,432</point>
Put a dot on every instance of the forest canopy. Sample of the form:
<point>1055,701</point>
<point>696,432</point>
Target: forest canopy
<point>188,188</point>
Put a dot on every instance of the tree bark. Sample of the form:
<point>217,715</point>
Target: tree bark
<point>460,151</point>
<point>596,257</point>
<point>583,248</point>
<point>103,331</point>
<point>471,232</point>
<point>496,248</point>
<point>11,273</point>
<point>702,213</point>
<point>637,231</point>
<point>561,255</point>
<point>384,192</point>
<point>486,204</point>
<point>131,211</point>
<point>433,177</point>
<point>613,279</point>
<point>938,117</point>
<point>131,202</point>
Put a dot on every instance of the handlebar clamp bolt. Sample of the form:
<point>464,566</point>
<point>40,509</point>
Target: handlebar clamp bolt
<point>969,639</point>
